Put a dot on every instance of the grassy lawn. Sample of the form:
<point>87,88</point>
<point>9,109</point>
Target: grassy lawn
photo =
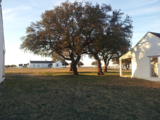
<point>51,94</point>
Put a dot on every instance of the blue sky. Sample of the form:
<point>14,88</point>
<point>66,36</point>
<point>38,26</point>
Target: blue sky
<point>18,14</point>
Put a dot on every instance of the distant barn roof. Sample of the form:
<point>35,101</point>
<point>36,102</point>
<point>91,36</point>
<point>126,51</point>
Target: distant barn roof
<point>156,34</point>
<point>20,64</point>
<point>41,61</point>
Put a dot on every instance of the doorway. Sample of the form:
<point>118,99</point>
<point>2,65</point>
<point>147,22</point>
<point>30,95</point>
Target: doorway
<point>154,66</point>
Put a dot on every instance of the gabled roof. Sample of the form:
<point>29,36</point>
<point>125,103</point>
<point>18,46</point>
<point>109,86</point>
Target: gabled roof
<point>57,61</point>
<point>156,34</point>
<point>41,61</point>
<point>20,64</point>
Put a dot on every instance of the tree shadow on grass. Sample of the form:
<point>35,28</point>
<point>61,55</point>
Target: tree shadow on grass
<point>91,76</point>
<point>66,74</point>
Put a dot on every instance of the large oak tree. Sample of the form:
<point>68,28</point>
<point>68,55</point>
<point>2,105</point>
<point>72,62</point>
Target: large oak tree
<point>73,29</point>
<point>65,30</point>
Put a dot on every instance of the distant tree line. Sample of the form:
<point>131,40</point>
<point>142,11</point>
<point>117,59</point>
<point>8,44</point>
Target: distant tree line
<point>74,29</point>
<point>10,66</point>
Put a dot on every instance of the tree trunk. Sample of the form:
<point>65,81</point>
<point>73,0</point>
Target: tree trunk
<point>74,68</point>
<point>106,62</point>
<point>71,67</point>
<point>106,65</point>
<point>74,65</point>
<point>99,68</point>
<point>126,66</point>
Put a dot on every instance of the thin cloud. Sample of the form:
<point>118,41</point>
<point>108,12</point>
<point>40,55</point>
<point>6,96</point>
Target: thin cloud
<point>144,2</point>
<point>10,14</point>
<point>6,11</point>
<point>148,18</point>
<point>144,11</point>
<point>134,4</point>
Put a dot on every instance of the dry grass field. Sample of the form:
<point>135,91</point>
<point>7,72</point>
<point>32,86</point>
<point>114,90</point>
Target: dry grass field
<point>33,70</point>
<point>54,94</point>
<point>60,71</point>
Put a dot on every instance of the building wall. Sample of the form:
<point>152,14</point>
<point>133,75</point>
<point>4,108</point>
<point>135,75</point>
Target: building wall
<point>57,64</point>
<point>2,49</point>
<point>1,64</point>
<point>149,46</point>
<point>38,65</point>
<point>45,65</point>
<point>20,66</point>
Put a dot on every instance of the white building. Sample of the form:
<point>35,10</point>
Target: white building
<point>2,47</point>
<point>45,64</point>
<point>145,58</point>
<point>20,66</point>
<point>26,65</point>
<point>57,64</point>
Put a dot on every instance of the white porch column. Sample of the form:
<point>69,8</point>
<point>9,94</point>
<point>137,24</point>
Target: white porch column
<point>120,66</point>
<point>132,68</point>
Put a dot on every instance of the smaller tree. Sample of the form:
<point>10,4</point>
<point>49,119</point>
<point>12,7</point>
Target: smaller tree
<point>80,64</point>
<point>94,63</point>
<point>13,66</point>
<point>7,66</point>
<point>50,65</point>
<point>125,62</point>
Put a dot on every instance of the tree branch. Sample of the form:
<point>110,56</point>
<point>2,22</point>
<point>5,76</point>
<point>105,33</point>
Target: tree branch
<point>63,57</point>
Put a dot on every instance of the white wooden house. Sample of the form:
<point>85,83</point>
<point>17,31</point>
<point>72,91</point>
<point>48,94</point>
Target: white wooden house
<point>2,48</point>
<point>145,58</point>
<point>45,64</point>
